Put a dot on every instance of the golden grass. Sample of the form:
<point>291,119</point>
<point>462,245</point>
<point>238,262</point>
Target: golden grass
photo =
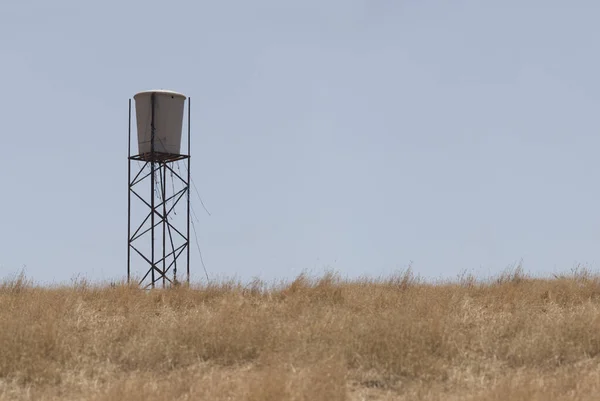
<point>512,338</point>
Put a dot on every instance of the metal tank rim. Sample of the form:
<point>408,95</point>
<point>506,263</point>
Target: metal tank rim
<point>160,91</point>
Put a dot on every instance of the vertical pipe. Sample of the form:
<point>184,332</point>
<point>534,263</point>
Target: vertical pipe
<point>129,199</point>
<point>188,192</point>
<point>164,223</point>
<point>152,207</point>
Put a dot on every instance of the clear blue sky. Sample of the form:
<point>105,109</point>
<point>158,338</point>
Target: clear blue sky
<point>354,135</point>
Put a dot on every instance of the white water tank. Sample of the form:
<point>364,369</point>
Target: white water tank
<point>168,120</point>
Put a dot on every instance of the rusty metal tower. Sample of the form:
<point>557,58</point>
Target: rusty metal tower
<point>159,188</point>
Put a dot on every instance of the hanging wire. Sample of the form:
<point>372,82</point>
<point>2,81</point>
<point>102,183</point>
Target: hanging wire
<point>156,183</point>
<point>194,214</point>
<point>173,185</point>
<point>199,251</point>
<point>197,219</point>
<point>198,193</point>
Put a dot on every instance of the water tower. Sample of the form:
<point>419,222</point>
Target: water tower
<point>158,188</point>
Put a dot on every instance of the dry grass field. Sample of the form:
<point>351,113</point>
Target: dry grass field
<point>508,338</point>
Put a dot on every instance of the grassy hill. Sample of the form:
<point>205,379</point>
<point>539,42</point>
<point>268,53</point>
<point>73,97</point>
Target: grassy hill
<point>509,338</point>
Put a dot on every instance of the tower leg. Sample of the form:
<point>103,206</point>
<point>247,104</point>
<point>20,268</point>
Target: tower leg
<point>152,212</point>
<point>129,198</point>
<point>164,222</point>
<point>188,190</point>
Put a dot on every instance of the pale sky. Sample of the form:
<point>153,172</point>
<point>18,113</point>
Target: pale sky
<point>359,136</point>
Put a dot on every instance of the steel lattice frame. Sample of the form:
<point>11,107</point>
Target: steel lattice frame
<point>162,261</point>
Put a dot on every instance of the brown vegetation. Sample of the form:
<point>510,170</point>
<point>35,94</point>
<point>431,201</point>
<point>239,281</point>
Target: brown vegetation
<point>512,338</point>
